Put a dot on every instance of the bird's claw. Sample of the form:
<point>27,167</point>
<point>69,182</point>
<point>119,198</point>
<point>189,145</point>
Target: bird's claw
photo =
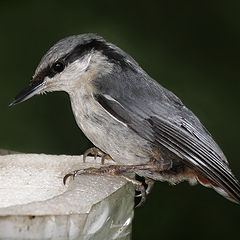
<point>96,152</point>
<point>66,177</point>
<point>143,194</point>
<point>139,188</point>
<point>80,172</point>
<point>150,184</point>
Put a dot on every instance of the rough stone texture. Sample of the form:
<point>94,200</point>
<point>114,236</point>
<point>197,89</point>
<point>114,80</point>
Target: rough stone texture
<point>36,205</point>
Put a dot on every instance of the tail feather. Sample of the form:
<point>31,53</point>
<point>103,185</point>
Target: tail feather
<point>226,191</point>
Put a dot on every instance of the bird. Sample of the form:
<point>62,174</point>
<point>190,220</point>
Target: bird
<point>130,118</point>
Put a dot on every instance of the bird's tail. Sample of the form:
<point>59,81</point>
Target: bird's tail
<point>224,189</point>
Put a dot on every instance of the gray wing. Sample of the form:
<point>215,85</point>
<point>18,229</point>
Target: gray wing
<point>158,116</point>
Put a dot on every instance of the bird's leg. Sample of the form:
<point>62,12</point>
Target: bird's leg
<point>96,152</point>
<point>118,171</point>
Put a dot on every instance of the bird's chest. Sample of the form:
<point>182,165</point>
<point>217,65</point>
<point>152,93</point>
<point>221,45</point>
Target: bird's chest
<point>106,133</point>
<point>88,116</point>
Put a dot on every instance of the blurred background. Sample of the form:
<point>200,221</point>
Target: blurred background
<point>190,47</point>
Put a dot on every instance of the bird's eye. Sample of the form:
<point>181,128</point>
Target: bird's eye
<point>58,67</point>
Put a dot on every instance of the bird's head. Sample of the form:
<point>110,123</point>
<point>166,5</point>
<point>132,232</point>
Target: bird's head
<point>73,61</point>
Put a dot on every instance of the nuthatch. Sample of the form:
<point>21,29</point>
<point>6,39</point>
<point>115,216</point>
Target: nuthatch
<point>130,117</point>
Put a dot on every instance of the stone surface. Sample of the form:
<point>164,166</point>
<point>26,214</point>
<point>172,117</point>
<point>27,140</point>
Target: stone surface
<point>36,205</point>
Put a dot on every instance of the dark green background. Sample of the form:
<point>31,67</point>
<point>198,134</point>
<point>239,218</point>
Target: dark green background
<point>192,49</point>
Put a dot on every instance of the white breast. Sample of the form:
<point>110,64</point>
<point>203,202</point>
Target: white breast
<point>106,132</point>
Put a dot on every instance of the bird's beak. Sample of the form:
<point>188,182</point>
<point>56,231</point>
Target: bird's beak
<point>32,89</point>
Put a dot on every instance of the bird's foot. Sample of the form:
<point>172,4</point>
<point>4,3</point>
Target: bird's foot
<point>150,183</point>
<point>96,152</point>
<point>139,188</point>
<point>118,171</point>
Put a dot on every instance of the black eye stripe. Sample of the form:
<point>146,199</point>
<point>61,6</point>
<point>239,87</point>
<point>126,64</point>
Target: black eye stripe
<point>50,71</point>
<point>80,50</point>
<point>98,45</point>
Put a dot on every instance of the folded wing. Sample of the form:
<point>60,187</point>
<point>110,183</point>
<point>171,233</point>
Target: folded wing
<point>158,116</point>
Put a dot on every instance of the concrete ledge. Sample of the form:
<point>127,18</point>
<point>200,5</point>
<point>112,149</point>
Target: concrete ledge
<point>36,205</point>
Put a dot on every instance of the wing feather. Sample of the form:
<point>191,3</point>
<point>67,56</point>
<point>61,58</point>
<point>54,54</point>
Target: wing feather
<point>192,148</point>
<point>158,116</point>
<point>199,156</point>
